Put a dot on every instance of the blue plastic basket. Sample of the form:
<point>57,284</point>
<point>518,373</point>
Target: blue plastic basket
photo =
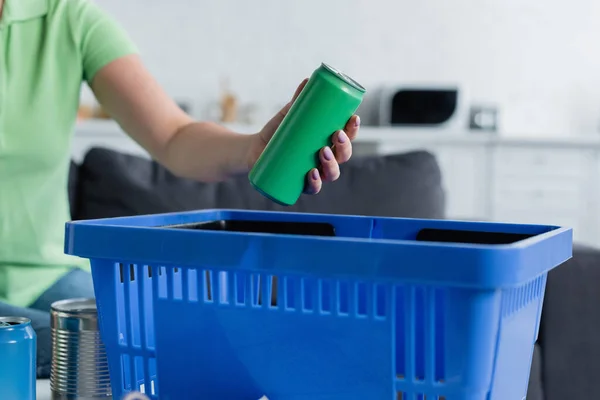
<point>234,305</point>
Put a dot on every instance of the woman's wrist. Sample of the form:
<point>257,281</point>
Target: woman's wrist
<point>242,156</point>
<point>256,145</point>
<point>208,152</point>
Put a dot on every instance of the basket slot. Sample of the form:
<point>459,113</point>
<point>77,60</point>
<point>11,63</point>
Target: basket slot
<point>132,305</point>
<point>420,316</point>
<point>325,296</point>
<point>364,299</point>
<point>146,311</point>
<point>248,289</point>
<point>185,286</point>
<point>273,282</point>
<point>126,369</point>
<point>206,283</point>
<point>308,295</point>
<point>438,351</point>
<point>342,298</point>
<point>224,293</point>
<point>169,282</point>
<point>153,377</point>
<point>240,292</point>
<point>380,301</point>
<point>123,332</point>
<point>177,278</point>
<point>399,322</point>
<point>289,293</point>
<point>192,285</point>
<point>139,374</point>
<point>297,285</point>
<point>162,283</point>
<point>409,339</point>
<point>231,289</point>
<point>351,298</point>
<point>215,286</point>
<point>264,282</point>
<point>253,295</point>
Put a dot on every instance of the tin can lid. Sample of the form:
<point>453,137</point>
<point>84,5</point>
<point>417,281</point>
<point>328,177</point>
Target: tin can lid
<point>75,306</point>
<point>12,321</point>
<point>344,77</point>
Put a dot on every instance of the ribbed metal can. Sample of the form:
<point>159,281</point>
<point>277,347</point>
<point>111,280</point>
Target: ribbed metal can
<point>18,343</point>
<point>79,364</point>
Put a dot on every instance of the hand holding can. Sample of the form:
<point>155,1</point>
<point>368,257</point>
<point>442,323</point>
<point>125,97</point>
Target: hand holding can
<point>301,142</point>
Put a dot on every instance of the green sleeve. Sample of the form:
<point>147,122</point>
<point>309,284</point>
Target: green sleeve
<point>100,38</point>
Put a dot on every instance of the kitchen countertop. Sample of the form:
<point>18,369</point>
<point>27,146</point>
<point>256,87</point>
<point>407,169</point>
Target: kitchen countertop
<point>370,134</point>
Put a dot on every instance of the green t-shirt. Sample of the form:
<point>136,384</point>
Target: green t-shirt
<point>47,49</point>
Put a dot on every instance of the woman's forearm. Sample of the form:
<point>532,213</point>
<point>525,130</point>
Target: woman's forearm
<point>202,151</point>
<point>198,150</point>
<point>207,152</point>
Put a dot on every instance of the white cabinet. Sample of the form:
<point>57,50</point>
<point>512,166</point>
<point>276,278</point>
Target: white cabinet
<point>546,185</point>
<point>464,171</point>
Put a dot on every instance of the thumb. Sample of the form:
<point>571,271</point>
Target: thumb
<point>269,129</point>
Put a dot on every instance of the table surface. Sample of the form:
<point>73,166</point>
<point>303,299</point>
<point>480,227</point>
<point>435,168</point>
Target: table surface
<point>43,389</point>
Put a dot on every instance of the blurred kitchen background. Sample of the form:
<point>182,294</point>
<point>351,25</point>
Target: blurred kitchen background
<point>505,93</point>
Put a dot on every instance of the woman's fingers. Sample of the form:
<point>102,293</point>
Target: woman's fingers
<point>331,157</point>
<point>342,147</point>
<point>299,89</point>
<point>330,169</point>
<point>313,182</point>
<point>342,140</point>
<point>352,127</point>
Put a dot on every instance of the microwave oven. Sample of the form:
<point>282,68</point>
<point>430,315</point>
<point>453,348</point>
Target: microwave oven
<point>440,107</point>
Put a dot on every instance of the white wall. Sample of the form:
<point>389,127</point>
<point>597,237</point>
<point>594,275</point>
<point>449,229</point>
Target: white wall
<point>539,60</point>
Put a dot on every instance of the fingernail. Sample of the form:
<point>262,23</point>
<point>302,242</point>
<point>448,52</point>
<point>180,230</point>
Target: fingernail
<point>315,175</point>
<point>342,137</point>
<point>328,154</point>
<point>357,121</point>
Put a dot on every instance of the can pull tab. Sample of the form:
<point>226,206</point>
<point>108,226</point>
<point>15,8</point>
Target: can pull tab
<point>135,396</point>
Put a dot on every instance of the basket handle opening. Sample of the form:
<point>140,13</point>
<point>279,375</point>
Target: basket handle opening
<point>469,237</point>
<point>272,227</point>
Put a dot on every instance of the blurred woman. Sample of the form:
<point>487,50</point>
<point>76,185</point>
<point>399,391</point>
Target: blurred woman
<point>47,49</point>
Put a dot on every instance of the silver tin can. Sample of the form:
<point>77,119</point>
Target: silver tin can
<point>79,364</point>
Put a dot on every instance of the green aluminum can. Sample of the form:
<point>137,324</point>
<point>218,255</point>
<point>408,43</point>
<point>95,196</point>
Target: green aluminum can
<point>325,105</point>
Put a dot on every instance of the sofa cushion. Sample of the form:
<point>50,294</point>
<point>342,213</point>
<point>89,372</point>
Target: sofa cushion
<point>570,328</point>
<point>73,188</point>
<point>402,185</point>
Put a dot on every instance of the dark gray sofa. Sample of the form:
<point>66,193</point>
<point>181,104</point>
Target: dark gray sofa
<point>566,359</point>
